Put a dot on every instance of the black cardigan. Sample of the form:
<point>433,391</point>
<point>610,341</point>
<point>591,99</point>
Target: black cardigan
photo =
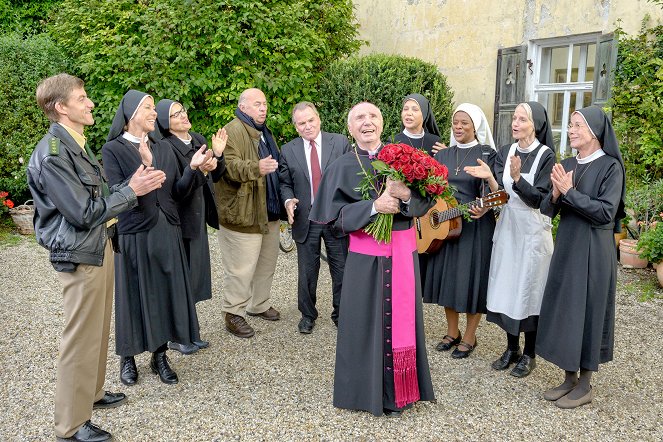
<point>191,208</point>
<point>121,160</point>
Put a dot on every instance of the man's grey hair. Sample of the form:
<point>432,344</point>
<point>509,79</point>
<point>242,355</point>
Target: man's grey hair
<point>303,105</point>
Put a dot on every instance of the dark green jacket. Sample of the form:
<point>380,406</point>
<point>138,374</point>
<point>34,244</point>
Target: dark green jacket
<point>241,194</point>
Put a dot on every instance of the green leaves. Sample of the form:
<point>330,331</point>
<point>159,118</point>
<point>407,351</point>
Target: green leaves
<point>384,80</point>
<point>204,53</point>
<point>638,102</point>
<point>25,62</point>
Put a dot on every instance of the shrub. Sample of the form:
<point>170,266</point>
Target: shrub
<point>25,62</point>
<point>383,80</point>
<point>643,204</point>
<point>26,17</point>
<point>204,53</point>
<point>638,102</point>
<point>650,244</point>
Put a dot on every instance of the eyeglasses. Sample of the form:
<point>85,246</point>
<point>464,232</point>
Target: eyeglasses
<point>179,113</point>
<point>576,125</point>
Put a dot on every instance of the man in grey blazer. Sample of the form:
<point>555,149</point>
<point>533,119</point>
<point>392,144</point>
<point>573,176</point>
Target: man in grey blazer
<point>302,164</point>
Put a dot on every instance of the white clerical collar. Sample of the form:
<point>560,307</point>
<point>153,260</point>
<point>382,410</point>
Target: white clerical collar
<point>318,141</point>
<point>187,142</point>
<point>588,159</point>
<point>529,148</point>
<point>413,135</point>
<point>468,145</point>
<point>133,138</point>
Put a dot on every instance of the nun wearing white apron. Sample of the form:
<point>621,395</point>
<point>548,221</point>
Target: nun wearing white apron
<point>522,243</point>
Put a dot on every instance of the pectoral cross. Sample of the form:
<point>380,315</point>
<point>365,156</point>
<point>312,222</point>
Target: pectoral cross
<point>457,169</point>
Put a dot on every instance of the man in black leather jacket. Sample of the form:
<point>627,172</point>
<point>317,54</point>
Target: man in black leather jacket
<point>74,217</point>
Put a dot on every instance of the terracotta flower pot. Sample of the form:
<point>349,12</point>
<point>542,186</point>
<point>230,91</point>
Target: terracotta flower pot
<point>629,255</point>
<point>659,274</point>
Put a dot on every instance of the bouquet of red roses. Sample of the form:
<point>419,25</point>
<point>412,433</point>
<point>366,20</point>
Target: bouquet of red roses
<point>418,170</point>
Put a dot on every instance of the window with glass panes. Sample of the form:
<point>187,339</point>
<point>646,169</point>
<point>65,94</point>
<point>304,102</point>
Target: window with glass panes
<point>563,80</point>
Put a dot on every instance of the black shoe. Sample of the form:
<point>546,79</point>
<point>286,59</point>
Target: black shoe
<point>335,322</point>
<point>392,413</point>
<point>448,342</point>
<point>110,400</point>
<point>201,344</point>
<point>185,349</point>
<point>128,371</point>
<point>306,325</point>
<point>524,367</point>
<point>461,354</point>
<point>160,366</point>
<point>89,433</point>
<point>507,358</point>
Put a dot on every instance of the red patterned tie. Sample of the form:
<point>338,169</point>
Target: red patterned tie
<point>316,174</point>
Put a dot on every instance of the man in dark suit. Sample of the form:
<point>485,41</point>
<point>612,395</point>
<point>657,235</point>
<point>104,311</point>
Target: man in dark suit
<point>303,161</point>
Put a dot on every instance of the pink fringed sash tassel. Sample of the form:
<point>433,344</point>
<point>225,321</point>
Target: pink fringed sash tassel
<point>404,348</point>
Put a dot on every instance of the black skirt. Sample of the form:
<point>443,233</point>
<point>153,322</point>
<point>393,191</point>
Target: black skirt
<point>153,299</point>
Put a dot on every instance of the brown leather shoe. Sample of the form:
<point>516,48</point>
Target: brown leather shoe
<point>238,326</point>
<point>270,314</point>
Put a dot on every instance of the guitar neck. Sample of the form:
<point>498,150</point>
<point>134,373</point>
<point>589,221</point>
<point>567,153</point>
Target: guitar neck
<point>455,212</point>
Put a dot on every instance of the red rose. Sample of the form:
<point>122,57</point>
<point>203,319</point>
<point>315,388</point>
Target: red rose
<point>408,170</point>
<point>419,171</point>
<point>387,156</point>
<point>9,203</point>
<point>3,194</point>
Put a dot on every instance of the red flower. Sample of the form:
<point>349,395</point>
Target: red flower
<point>9,203</point>
<point>3,194</point>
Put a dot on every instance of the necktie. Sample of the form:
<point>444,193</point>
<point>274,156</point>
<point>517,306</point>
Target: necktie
<point>316,174</point>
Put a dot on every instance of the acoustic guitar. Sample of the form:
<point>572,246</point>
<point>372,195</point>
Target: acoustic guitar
<point>443,221</point>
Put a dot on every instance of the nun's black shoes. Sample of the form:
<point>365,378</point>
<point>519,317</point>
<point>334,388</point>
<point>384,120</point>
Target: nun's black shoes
<point>524,367</point>
<point>392,413</point>
<point>508,357</point>
<point>185,349</point>
<point>566,403</point>
<point>461,354</point>
<point>159,364</point>
<point>128,371</point>
<point>448,342</point>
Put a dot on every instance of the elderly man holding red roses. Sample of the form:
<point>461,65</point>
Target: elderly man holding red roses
<point>381,361</point>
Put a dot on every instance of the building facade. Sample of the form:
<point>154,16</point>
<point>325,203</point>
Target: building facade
<point>497,54</point>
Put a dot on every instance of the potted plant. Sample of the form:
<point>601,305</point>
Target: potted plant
<point>650,246</point>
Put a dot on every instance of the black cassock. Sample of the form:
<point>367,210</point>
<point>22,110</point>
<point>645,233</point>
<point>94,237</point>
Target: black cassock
<point>363,376</point>
<point>577,322</point>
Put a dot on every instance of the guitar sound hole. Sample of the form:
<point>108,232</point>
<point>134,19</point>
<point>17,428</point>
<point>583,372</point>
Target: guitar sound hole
<point>433,223</point>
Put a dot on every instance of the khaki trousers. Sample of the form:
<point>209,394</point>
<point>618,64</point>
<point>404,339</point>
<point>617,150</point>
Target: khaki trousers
<point>249,262</point>
<point>87,299</point>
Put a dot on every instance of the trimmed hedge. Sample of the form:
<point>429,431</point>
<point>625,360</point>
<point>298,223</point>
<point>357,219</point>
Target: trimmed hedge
<point>383,80</point>
<point>25,62</point>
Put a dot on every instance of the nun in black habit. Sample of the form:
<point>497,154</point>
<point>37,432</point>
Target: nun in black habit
<point>198,209</point>
<point>381,361</point>
<point>577,322</point>
<point>153,299</point>
<point>418,126</point>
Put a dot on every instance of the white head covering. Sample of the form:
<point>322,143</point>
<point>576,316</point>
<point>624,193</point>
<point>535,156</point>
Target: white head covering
<point>484,135</point>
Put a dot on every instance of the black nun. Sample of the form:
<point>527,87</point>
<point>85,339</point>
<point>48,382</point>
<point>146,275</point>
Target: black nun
<point>153,299</point>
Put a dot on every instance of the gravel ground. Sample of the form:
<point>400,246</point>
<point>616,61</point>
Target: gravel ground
<point>278,385</point>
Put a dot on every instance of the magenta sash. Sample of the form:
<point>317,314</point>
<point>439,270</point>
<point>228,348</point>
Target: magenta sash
<point>404,344</point>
